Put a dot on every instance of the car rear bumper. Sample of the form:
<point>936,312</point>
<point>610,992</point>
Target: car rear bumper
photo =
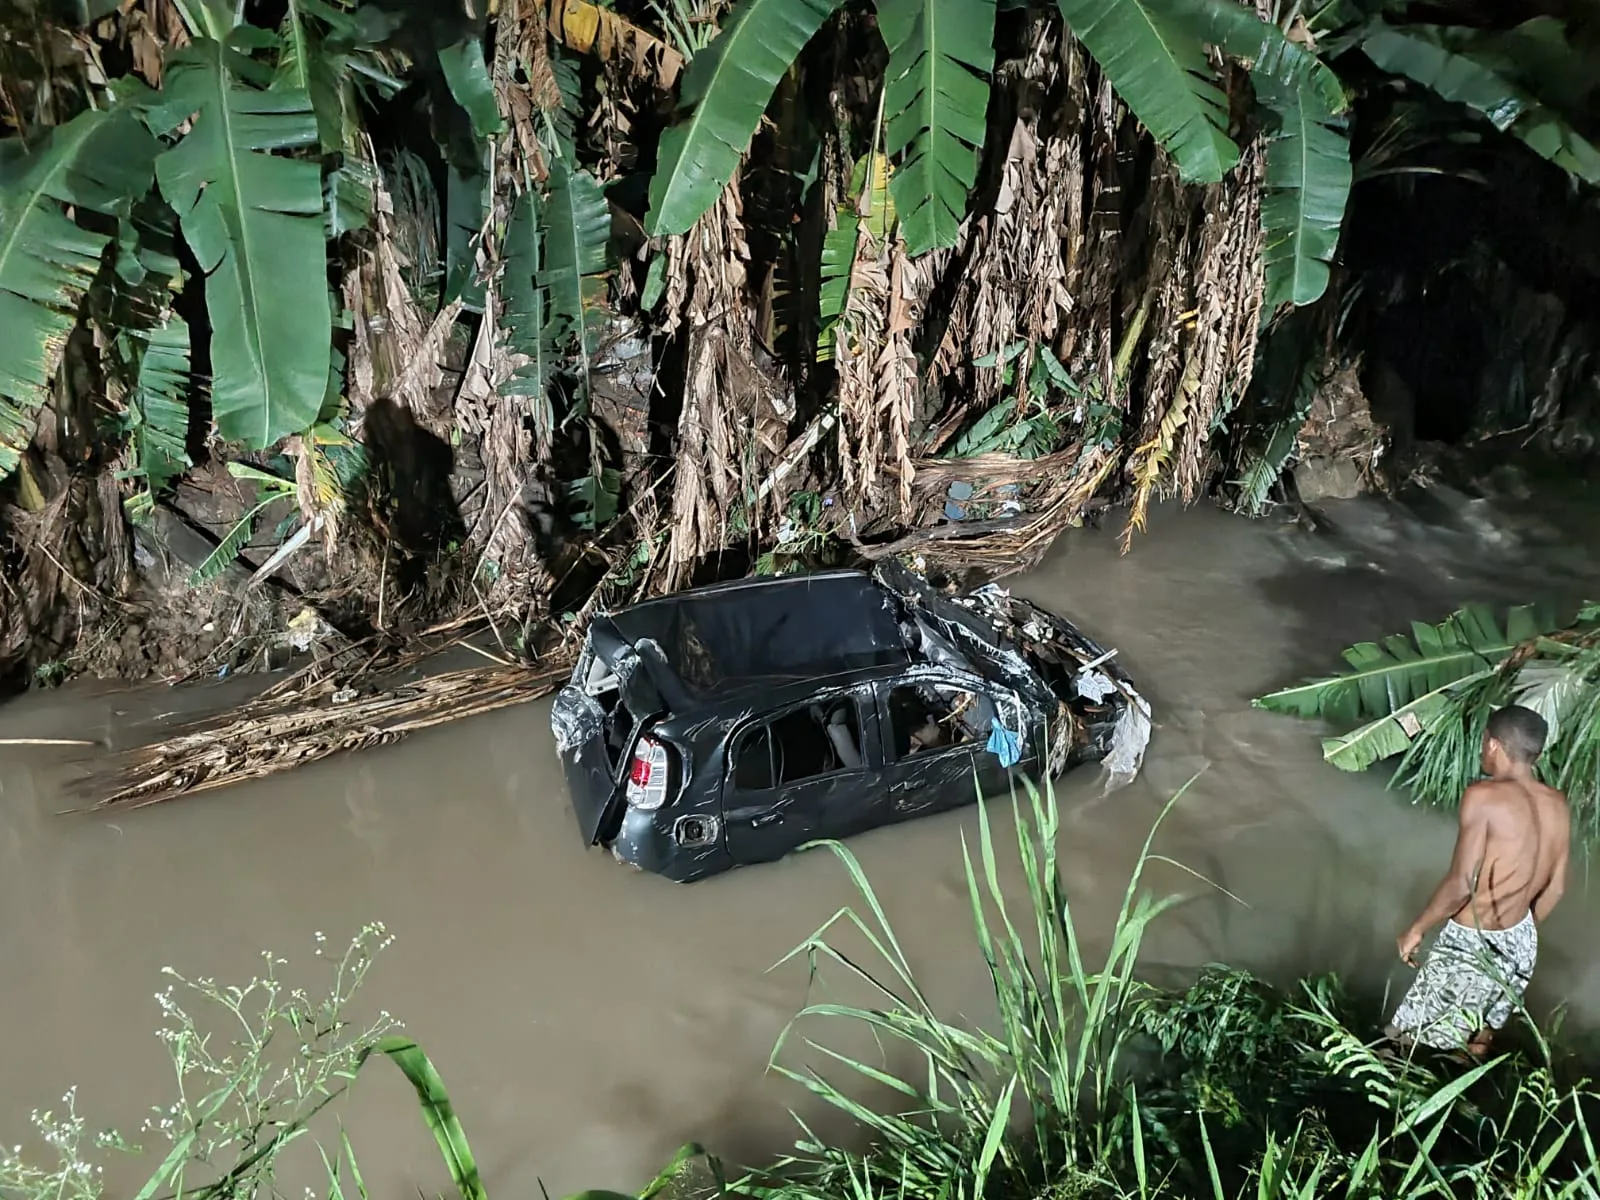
<point>651,842</point>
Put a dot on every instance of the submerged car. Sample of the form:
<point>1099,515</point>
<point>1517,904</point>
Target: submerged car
<point>734,723</point>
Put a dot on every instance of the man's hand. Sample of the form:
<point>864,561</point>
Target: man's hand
<point>1409,943</point>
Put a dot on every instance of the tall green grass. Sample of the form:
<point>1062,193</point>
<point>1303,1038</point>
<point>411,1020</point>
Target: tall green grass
<point>1096,1084</point>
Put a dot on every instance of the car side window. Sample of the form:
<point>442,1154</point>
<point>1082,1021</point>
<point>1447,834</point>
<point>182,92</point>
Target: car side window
<point>808,742</point>
<point>932,717</point>
<point>752,760</point>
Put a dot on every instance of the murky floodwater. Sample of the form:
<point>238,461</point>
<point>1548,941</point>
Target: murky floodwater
<point>588,1020</point>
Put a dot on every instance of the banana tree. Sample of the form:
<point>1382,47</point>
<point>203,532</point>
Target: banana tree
<point>936,99</point>
<point>99,162</point>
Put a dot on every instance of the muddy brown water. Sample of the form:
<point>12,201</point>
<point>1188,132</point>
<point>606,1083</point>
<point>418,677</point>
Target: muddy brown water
<point>588,1020</point>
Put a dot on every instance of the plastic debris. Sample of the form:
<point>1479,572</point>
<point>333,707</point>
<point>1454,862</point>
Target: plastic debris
<point>1003,744</point>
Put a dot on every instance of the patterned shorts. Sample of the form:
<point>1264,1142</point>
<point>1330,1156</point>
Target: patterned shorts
<point>1471,980</point>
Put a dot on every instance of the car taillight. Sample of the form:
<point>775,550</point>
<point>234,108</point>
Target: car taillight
<point>647,777</point>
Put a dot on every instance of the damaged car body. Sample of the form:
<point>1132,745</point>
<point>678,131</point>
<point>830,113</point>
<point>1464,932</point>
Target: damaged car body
<point>732,724</point>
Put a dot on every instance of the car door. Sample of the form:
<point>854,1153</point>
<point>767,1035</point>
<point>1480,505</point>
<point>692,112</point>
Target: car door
<point>935,733</point>
<point>808,771</point>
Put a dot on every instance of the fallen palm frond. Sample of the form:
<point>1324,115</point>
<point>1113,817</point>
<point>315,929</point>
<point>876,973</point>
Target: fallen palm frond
<point>1427,698</point>
<point>288,728</point>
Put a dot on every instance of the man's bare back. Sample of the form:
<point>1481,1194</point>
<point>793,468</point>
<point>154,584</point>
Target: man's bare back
<point>1526,827</point>
<point>1506,876</point>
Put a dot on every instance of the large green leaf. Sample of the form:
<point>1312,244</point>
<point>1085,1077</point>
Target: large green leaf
<point>157,411</point>
<point>833,289</point>
<point>554,253</point>
<point>1149,53</point>
<point>1405,688</point>
<point>525,313</point>
<point>467,75</point>
<point>1429,56</point>
<point>314,57</point>
<point>1308,155</point>
<point>254,220</point>
<point>317,52</point>
<point>1385,678</point>
<point>727,85</point>
<point>1394,734</point>
<point>1307,187</point>
<point>468,196</point>
<point>99,161</point>
<point>1537,55</point>
<point>577,229</point>
<point>935,106</point>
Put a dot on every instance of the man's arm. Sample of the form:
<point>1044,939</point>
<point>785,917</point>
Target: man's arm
<point>1455,889</point>
<point>1551,896</point>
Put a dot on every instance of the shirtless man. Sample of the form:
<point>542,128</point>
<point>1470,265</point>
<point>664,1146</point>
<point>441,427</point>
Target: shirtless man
<point>1508,872</point>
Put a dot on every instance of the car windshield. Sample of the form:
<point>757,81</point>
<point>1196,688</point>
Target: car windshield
<point>780,630</point>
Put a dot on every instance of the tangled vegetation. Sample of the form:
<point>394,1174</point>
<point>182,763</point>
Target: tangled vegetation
<point>425,313</point>
<point>1097,1084</point>
<point>1427,698</point>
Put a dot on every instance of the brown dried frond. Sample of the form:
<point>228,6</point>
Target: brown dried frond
<point>1204,327</point>
<point>396,350</point>
<point>732,402</point>
<point>282,730</point>
<point>859,348</point>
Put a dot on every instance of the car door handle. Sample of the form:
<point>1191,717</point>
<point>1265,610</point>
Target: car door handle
<point>909,785</point>
<point>765,819</point>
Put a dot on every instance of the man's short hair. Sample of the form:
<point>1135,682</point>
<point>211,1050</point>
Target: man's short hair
<point>1520,730</point>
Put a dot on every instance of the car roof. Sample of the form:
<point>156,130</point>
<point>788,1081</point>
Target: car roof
<point>783,633</point>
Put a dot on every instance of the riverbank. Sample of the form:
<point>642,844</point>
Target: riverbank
<point>590,1021</point>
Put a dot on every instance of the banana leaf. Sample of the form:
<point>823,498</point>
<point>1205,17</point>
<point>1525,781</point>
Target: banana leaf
<point>726,86</point>
<point>936,101</point>
<point>577,231</point>
<point>833,290</point>
<point>1307,187</point>
<point>158,412</point>
<point>1398,731</point>
<point>1536,55</point>
<point>316,49</point>
<point>254,219</point>
<point>1426,55</point>
<point>869,184</point>
<point>468,195</point>
<point>1386,678</point>
<point>319,50</point>
<point>1407,690</point>
<point>524,316</point>
<point>578,228</point>
<point>467,75</point>
<point>100,161</point>
<point>1159,69</point>
<point>1308,154</point>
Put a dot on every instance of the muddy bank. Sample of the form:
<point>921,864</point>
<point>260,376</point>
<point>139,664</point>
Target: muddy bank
<point>589,1020</point>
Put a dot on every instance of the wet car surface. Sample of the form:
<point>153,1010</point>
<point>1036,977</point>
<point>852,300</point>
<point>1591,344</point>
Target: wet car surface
<point>731,724</point>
